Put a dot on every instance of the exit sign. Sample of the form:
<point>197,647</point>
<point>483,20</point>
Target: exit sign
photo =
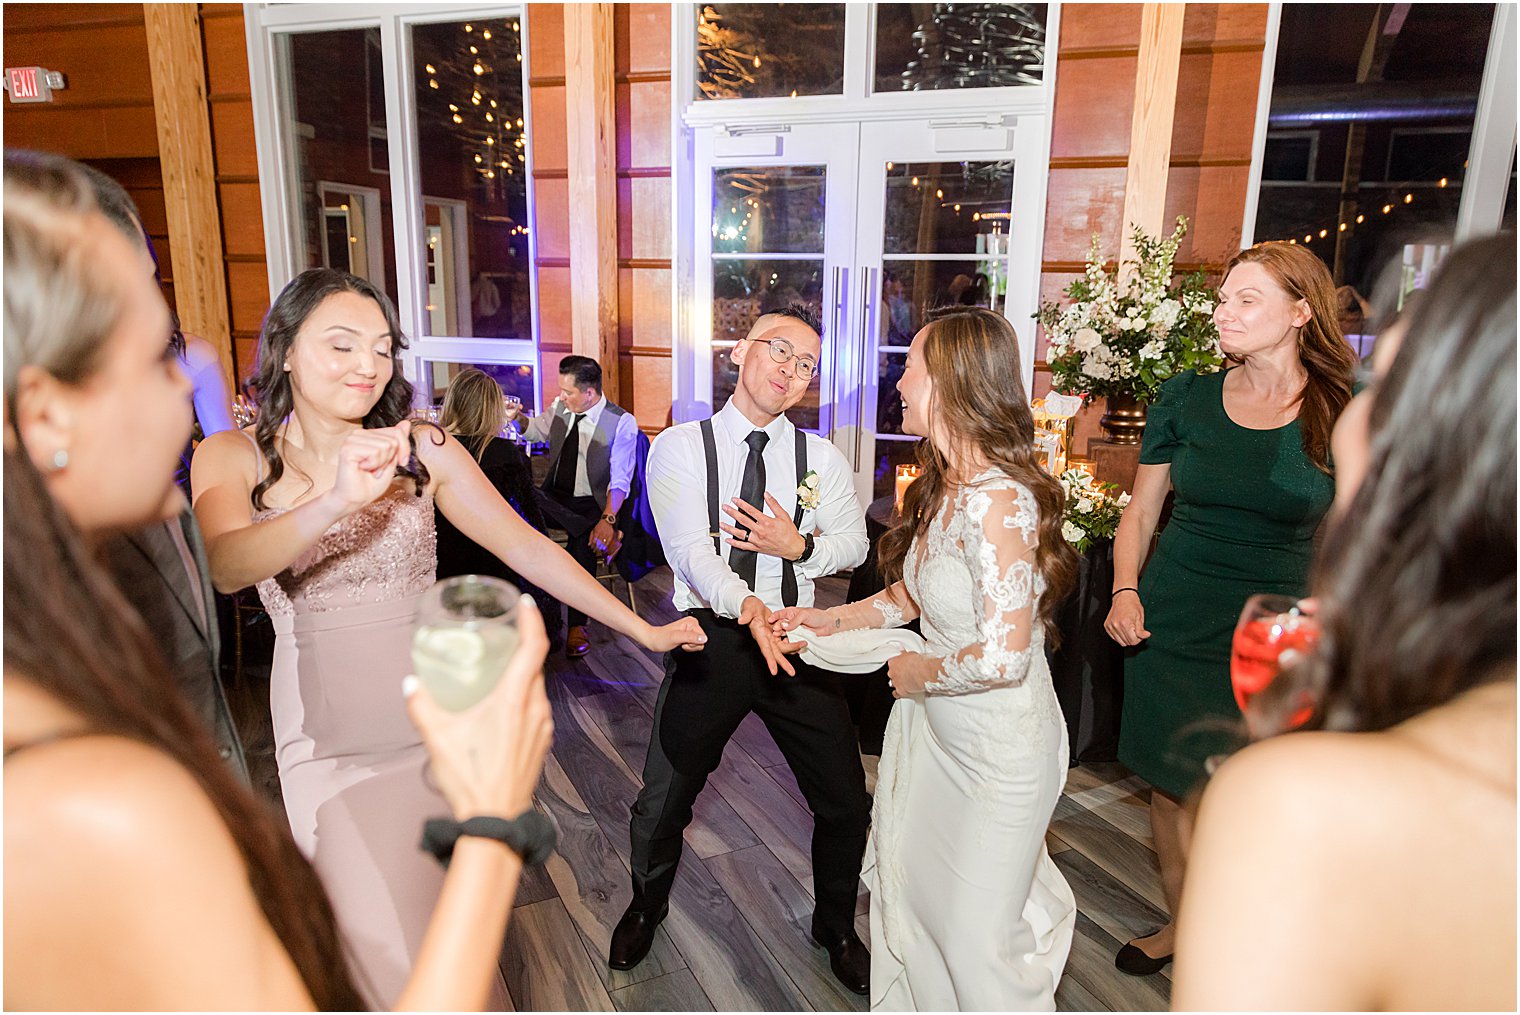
<point>32,84</point>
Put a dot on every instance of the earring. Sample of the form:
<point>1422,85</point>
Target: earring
<point>60,459</point>
<point>287,368</point>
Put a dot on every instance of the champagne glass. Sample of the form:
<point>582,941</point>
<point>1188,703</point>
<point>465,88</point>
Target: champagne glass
<point>1273,632</point>
<point>466,634</point>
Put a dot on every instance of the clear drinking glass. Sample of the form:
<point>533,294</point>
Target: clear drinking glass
<point>466,634</point>
<point>1273,632</point>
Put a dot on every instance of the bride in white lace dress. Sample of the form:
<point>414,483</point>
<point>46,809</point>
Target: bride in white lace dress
<point>968,912</point>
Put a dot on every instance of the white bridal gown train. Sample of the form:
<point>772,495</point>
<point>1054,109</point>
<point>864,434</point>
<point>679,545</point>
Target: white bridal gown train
<point>968,911</point>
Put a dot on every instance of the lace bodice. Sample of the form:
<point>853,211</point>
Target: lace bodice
<point>976,585</point>
<point>386,551</point>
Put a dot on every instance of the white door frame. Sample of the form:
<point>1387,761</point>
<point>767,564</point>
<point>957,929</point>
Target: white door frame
<point>267,26</point>
<point>1033,104</point>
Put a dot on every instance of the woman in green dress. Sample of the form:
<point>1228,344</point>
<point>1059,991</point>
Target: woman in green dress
<point>1247,451</point>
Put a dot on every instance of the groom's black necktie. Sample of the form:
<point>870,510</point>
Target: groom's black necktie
<point>752,492</point>
<point>563,480</point>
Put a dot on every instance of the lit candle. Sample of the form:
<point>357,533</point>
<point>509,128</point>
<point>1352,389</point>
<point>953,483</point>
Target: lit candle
<point>906,474</point>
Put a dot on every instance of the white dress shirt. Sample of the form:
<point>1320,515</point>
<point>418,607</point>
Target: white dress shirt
<point>677,477</point>
<point>622,449</point>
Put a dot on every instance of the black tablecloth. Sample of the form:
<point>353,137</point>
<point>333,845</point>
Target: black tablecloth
<point>1087,669</point>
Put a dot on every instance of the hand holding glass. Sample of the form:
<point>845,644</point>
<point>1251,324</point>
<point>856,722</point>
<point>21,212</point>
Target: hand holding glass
<point>1273,632</point>
<point>466,634</point>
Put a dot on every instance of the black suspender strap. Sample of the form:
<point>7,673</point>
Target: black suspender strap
<point>788,569</point>
<point>710,447</point>
<point>710,450</point>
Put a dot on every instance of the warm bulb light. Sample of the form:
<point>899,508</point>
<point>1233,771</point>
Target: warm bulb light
<point>1360,219</point>
<point>1343,227</point>
<point>1408,198</point>
<point>1323,233</point>
<point>1442,182</point>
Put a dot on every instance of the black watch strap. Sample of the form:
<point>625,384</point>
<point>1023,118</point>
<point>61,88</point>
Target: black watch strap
<point>807,548</point>
<point>531,835</point>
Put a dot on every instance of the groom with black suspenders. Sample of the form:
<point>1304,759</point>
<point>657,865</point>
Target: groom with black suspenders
<point>782,503</point>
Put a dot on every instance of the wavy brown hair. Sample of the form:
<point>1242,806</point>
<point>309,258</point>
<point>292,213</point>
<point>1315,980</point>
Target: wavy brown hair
<point>1322,348</point>
<point>1416,580</point>
<point>67,627</point>
<point>270,383</point>
<point>473,407</point>
<point>972,355</point>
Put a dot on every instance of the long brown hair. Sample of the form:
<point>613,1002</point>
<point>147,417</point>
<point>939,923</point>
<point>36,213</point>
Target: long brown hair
<point>1322,348</point>
<point>270,383</point>
<point>67,627</point>
<point>972,354</point>
<point>473,407</point>
<point>1416,580</point>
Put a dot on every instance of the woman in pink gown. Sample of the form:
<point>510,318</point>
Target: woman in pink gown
<point>327,506</point>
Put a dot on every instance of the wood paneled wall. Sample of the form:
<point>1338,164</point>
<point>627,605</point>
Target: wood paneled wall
<point>644,243</point>
<point>106,117</point>
<point>1210,162</point>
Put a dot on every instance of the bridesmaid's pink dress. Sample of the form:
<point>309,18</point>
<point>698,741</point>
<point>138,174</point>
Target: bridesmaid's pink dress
<point>351,762</point>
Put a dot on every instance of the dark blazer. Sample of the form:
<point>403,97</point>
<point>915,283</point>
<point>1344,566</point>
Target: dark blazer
<point>151,574</point>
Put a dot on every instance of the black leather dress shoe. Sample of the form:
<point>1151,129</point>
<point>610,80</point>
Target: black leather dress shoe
<point>848,958</point>
<point>633,936</point>
<point>1135,962</point>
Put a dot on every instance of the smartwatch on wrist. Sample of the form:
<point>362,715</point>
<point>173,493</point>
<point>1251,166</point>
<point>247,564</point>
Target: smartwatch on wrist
<point>807,548</point>
<point>530,835</point>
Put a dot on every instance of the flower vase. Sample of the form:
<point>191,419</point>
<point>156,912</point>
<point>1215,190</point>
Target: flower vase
<point>1124,420</point>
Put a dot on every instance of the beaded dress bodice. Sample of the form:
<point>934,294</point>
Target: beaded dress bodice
<point>386,551</point>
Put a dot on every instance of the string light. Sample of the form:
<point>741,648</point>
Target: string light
<point>1360,219</point>
<point>1387,208</point>
<point>1343,227</point>
<point>1442,182</point>
<point>479,70</point>
<point>486,35</point>
<point>1408,198</point>
<point>915,181</point>
<point>473,51</point>
<point>469,28</point>
<point>939,193</point>
<point>430,69</point>
<point>432,82</point>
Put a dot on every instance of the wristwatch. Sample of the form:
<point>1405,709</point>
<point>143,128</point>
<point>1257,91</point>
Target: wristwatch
<point>807,548</point>
<point>610,519</point>
<point>531,835</point>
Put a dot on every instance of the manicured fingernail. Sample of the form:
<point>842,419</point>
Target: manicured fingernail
<point>527,601</point>
<point>409,685</point>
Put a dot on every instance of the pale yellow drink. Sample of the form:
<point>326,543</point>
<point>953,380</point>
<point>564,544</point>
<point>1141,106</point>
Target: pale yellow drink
<point>460,664</point>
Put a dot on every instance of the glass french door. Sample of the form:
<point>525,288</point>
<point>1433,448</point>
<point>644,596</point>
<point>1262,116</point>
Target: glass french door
<point>871,224</point>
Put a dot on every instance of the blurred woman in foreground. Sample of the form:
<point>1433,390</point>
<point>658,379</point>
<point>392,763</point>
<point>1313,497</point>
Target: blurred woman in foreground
<point>1369,862</point>
<point>140,874</point>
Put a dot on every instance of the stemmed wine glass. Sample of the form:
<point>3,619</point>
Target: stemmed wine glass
<point>1273,632</point>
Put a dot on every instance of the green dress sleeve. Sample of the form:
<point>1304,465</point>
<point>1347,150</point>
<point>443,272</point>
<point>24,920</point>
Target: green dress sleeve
<point>1163,419</point>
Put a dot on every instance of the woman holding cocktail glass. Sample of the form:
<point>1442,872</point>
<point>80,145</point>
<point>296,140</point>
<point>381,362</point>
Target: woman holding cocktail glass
<point>1247,451</point>
<point>1368,860</point>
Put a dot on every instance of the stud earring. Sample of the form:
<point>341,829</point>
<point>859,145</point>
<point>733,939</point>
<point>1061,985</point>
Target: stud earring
<point>60,459</point>
<point>287,368</point>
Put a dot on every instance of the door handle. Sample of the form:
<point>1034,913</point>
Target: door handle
<point>867,323</point>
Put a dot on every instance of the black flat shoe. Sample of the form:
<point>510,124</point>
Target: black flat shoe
<point>1135,962</point>
<point>633,937</point>
<point>848,958</point>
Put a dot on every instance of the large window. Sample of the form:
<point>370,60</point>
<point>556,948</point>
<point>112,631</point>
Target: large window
<point>395,146</point>
<point>1372,134</point>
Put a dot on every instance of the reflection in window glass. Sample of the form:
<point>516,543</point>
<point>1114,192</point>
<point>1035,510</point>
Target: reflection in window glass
<point>889,455</point>
<point>751,51</point>
<point>927,47</point>
<point>343,187</point>
<point>743,290</point>
<point>910,288</point>
<point>777,209</point>
<point>1391,131</point>
<point>947,207</point>
<point>472,157</point>
<point>514,379</point>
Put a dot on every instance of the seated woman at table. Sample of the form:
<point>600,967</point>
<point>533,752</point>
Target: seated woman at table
<point>473,411</point>
<point>1368,861</point>
<point>1247,451</point>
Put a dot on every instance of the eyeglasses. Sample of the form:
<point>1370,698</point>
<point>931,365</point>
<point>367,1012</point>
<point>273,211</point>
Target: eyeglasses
<point>782,352</point>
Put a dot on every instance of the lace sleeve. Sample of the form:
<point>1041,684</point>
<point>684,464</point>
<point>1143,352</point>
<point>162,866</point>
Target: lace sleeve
<point>891,607</point>
<point>999,543</point>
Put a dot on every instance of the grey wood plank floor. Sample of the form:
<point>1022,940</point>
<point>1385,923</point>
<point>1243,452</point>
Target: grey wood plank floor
<point>736,937</point>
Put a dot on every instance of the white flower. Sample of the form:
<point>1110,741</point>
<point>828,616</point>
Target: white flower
<point>1123,500</point>
<point>1085,479</point>
<point>1071,533</point>
<point>1086,340</point>
<point>1166,313</point>
<point>1094,367</point>
<point>1152,349</point>
<point>808,494</point>
<point>1084,505</point>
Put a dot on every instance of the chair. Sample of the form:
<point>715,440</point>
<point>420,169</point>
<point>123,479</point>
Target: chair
<point>605,573</point>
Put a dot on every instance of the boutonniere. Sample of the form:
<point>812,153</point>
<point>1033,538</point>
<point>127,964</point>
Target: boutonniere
<point>807,491</point>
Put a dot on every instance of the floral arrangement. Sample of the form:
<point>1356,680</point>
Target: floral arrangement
<point>1127,338</point>
<point>808,494</point>
<point>1092,509</point>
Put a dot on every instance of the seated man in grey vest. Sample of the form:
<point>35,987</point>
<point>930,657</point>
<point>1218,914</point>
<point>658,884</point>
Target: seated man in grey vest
<point>591,449</point>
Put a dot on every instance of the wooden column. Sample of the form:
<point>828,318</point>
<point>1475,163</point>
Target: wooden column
<point>1150,136</point>
<point>591,147</point>
<point>178,68</point>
